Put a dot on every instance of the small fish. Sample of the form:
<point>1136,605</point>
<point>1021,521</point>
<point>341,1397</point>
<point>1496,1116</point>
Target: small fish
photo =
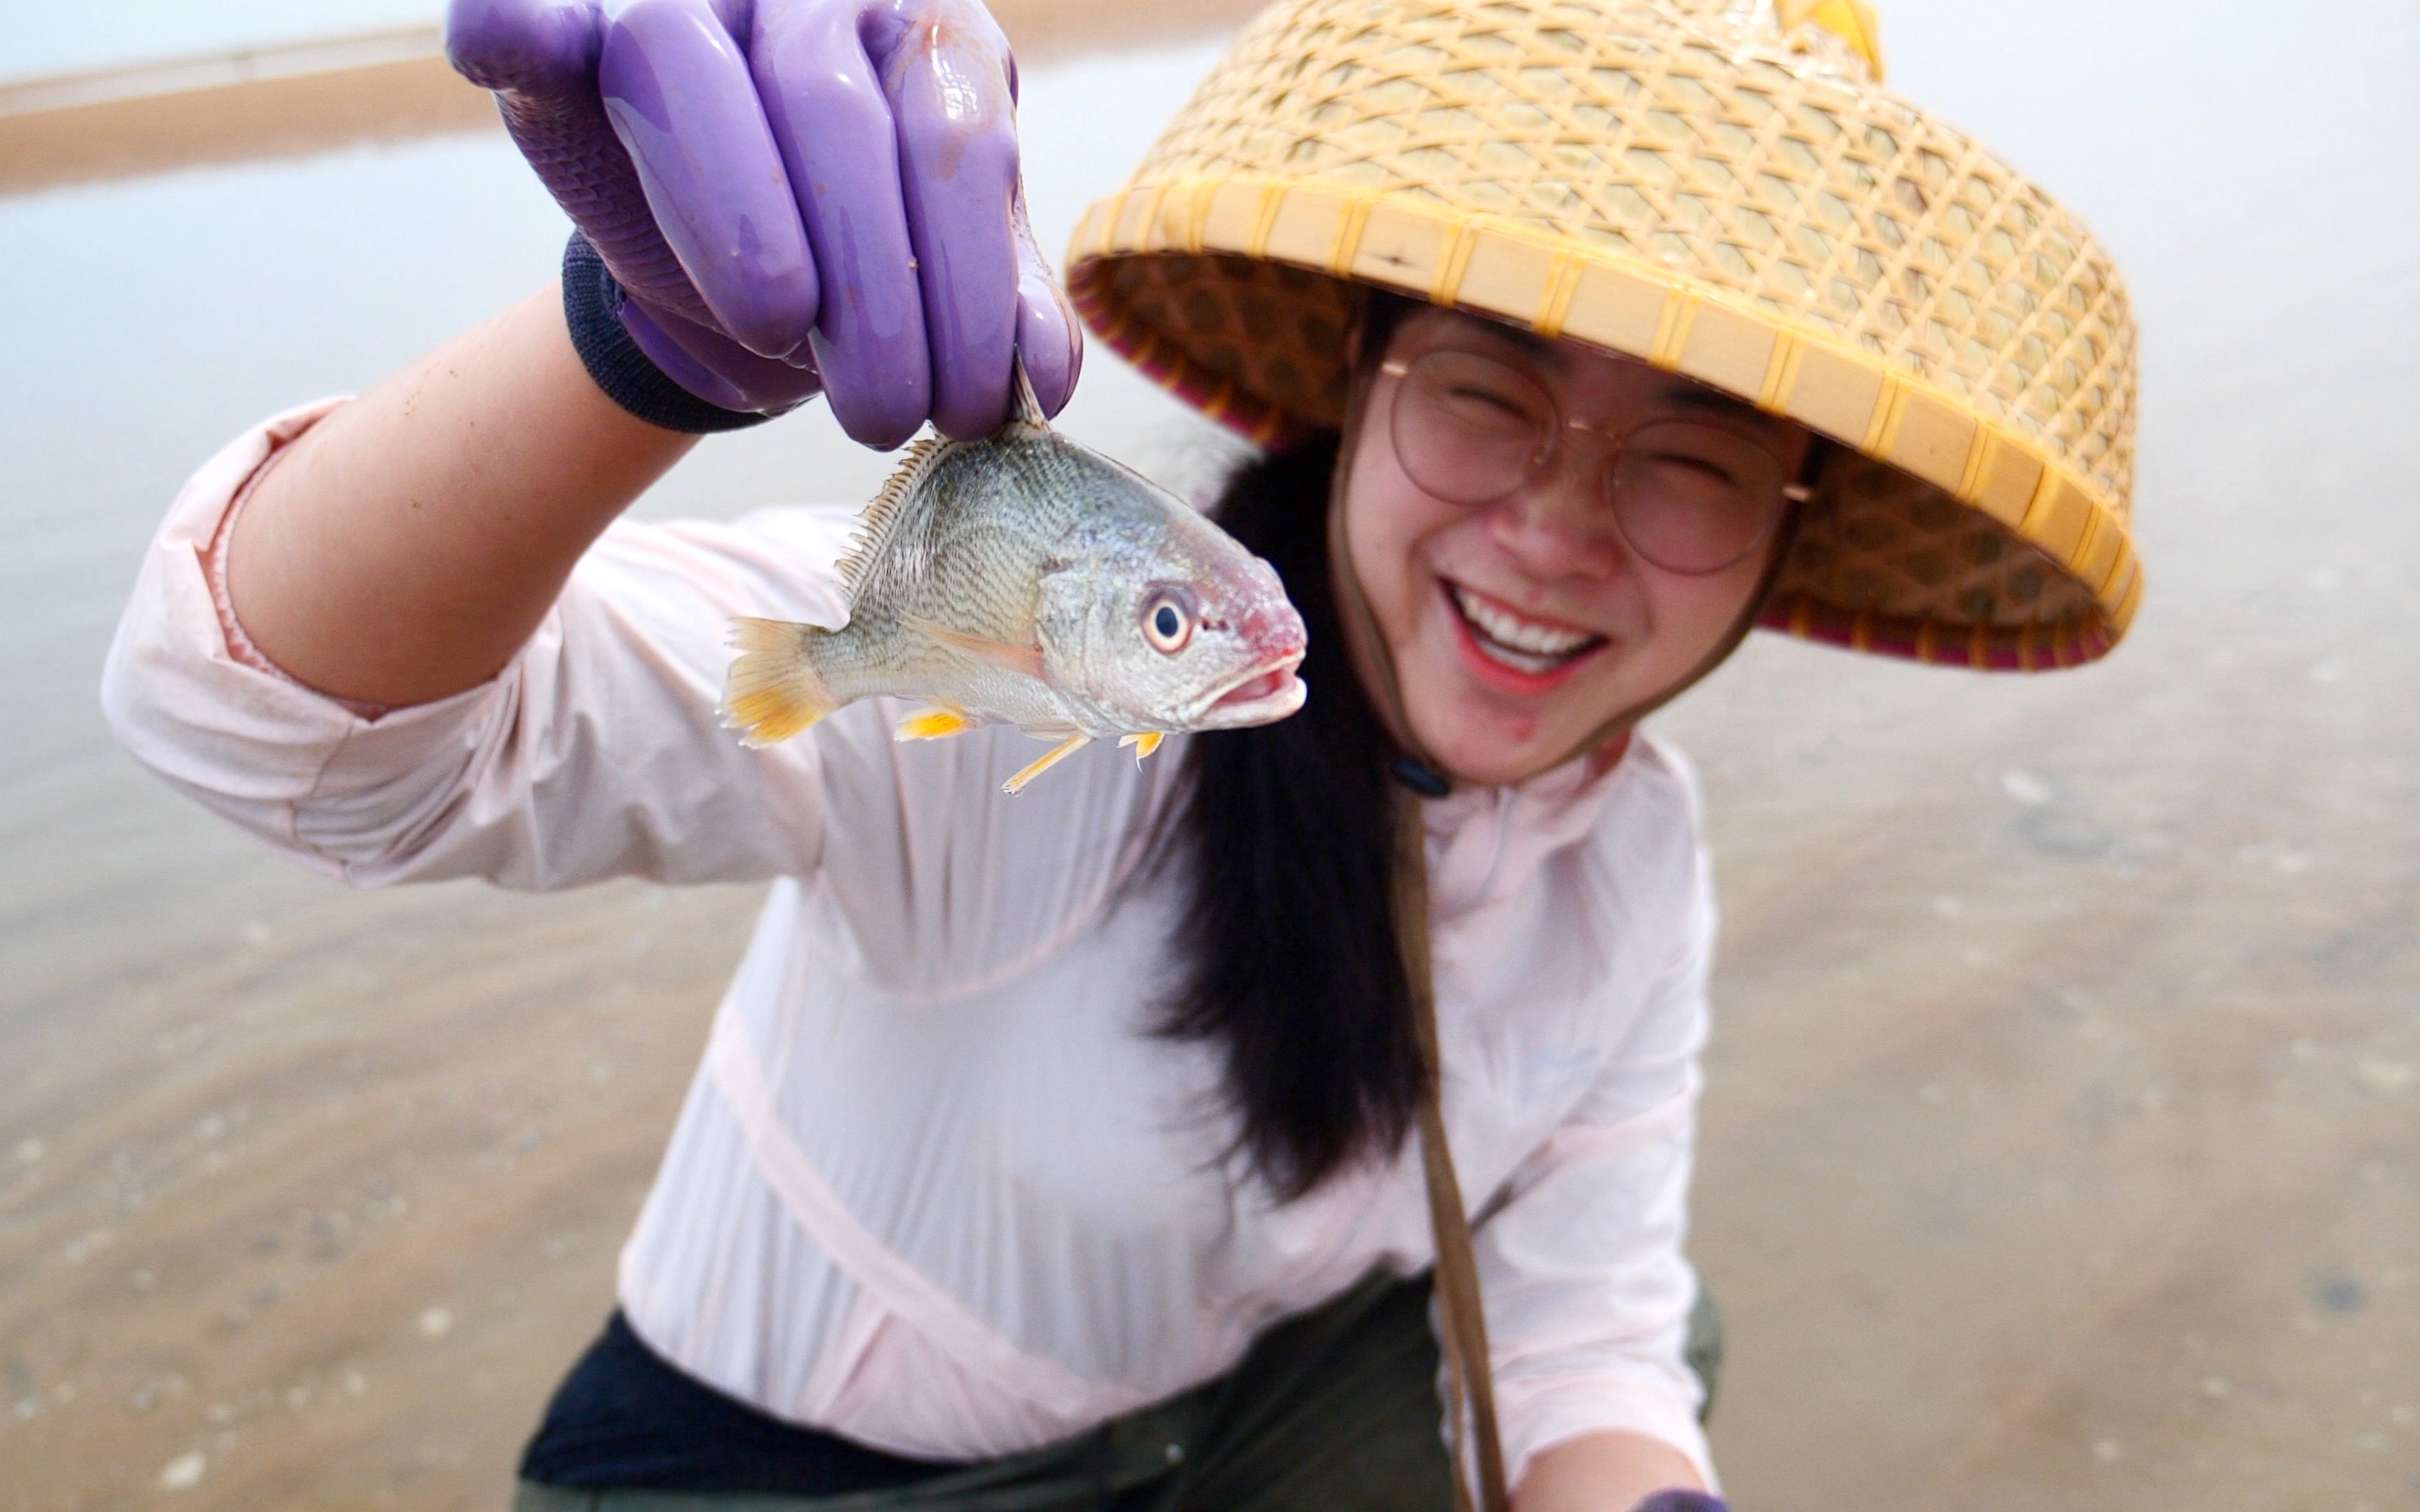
<point>1024,579</point>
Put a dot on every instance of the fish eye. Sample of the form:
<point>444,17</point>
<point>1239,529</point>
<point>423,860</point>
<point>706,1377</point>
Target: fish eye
<point>1167,623</point>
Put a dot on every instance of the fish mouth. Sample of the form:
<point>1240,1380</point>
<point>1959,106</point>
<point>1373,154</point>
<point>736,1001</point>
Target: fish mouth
<point>1268,692</point>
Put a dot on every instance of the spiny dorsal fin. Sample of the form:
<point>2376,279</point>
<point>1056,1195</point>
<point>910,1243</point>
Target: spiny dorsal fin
<point>874,526</point>
<point>1025,406</point>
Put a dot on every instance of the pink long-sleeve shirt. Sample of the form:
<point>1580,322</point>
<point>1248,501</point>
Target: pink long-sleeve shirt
<point>937,1186</point>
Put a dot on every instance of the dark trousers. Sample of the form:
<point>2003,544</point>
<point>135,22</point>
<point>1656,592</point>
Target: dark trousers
<point>1333,1411</point>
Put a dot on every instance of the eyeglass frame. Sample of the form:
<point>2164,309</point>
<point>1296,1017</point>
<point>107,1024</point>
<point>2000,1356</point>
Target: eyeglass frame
<point>1794,494</point>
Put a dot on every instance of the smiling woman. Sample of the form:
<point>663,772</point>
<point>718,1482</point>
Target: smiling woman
<point>1115,1135</point>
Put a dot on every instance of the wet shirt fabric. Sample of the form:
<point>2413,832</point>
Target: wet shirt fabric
<point>937,1186</point>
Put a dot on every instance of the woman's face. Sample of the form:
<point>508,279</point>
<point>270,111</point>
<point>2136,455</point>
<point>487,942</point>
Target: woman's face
<point>1518,627</point>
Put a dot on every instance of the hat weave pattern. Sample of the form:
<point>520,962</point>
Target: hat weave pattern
<point>1691,183</point>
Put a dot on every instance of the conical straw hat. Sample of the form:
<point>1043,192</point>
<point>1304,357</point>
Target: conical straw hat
<point>1722,191</point>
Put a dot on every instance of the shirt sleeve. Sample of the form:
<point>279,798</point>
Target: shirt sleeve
<point>596,752</point>
<point>1588,1294</point>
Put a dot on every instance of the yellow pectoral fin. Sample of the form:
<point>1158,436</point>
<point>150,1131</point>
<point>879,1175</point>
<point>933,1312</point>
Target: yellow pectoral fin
<point>1024,659</point>
<point>933,724</point>
<point>1144,742</point>
<point>1056,754</point>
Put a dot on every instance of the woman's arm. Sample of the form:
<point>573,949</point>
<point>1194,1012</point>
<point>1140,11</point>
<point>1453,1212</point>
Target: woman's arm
<point>404,547</point>
<point>1588,1297</point>
<point>1605,1471</point>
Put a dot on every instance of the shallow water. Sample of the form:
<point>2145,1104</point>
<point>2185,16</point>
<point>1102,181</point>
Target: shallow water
<point>2062,1138</point>
<point>45,40</point>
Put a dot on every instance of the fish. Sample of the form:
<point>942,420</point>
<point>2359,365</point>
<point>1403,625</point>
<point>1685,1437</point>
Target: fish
<point>1024,578</point>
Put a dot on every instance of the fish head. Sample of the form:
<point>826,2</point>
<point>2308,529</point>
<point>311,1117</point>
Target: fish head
<point>1154,618</point>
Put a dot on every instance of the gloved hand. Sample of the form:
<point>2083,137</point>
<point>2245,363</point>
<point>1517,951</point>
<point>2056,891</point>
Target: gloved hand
<point>1682,1502</point>
<point>793,194</point>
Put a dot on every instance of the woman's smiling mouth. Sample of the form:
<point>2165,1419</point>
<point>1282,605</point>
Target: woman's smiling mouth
<point>1512,650</point>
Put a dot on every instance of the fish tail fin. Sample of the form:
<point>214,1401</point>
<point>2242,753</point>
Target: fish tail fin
<point>771,692</point>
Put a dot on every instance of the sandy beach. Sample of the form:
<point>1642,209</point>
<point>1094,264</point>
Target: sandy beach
<point>2062,1133</point>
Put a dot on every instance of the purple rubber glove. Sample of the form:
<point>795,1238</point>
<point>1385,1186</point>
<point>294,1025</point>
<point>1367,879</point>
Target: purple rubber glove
<point>1682,1502</point>
<point>794,195</point>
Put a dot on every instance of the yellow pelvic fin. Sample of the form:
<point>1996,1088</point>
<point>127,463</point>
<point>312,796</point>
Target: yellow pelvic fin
<point>1002,654</point>
<point>1055,755</point>
<point>933,724</point>
<point>1143,741</point>
<point>771,692</point>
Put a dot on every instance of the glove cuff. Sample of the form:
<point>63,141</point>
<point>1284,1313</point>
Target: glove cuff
<point>592,308</point>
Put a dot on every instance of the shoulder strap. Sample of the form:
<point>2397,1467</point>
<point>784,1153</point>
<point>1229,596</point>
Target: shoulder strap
<point>1470,1381</point>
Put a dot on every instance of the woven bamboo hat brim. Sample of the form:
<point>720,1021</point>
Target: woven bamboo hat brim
<point>1707,185</point>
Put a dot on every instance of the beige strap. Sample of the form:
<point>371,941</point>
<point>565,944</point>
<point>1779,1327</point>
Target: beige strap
<point>1470,1382</point>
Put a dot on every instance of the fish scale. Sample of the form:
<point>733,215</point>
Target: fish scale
<point>952,545</point>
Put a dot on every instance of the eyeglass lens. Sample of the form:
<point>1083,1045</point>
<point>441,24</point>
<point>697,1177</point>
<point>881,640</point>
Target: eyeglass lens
<point>1688,496</point>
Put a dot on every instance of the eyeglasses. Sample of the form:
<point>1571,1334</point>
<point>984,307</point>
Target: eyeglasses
<point>1689,496</point>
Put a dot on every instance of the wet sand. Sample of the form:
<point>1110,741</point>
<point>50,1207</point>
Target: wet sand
<point>2062,1134</point>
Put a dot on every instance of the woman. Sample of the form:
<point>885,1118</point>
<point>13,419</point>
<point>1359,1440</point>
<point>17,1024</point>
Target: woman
<point>1089,1147</point>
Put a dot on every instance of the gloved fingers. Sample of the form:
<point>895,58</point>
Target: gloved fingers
<point>540,58</point>
<point>716,368</point>
<point>544,49</point>
<point>825,108</point>
<point>1048,335</point>
<point>946,77</point>
<point>676,86</point>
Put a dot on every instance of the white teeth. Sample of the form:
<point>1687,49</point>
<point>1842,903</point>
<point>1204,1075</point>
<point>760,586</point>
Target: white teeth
<point>1519,642</point>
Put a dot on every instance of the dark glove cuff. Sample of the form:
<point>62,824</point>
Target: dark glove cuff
<point>1682,1502</point>
<point>592,307</point>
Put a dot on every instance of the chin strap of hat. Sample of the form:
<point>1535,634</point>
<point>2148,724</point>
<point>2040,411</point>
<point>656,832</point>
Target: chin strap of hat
<point>1787,538</point>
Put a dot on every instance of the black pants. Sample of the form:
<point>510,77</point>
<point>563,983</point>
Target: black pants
<point>1335,1410</point>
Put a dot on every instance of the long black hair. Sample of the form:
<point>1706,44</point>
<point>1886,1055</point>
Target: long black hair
<point>1288,958</point>
<point>1287,953</point>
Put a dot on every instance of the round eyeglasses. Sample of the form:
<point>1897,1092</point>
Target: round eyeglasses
<point>1691,497</point>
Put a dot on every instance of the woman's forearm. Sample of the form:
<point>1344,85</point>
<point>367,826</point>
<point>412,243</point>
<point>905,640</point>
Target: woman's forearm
<point>404,547</point>
<point>1609,1472</point>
